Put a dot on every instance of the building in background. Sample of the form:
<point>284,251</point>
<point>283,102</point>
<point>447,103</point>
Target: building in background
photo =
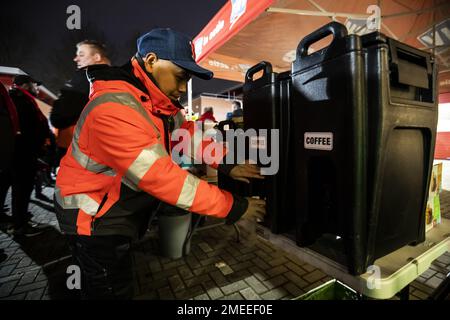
<point>222,102</point>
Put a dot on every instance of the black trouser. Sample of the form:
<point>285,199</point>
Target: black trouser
<point>5,183</point>
<point>39,181</point>
<point>106,266</point>
<point>21,178</point>
<point>22,187</point>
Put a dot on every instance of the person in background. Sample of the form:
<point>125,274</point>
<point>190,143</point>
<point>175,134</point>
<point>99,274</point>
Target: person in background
<point>9,129</point>
<point>237,109</point>
<point>75,93</point>
<point>208,115</point>
<point>34,130</point>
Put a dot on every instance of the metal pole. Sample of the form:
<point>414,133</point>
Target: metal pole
<point>317,13</point>
<point>434,31</point>
<point>379,18</point>
<point>321,9</point>
<point>189,98</point>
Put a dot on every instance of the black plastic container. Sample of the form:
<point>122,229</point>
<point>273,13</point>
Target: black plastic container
<point>363,180</point>
<point>403,113</point>
<point>329,106</point>
<point>266,102</point>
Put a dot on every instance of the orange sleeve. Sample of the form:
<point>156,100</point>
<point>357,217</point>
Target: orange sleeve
<point>123,140</point>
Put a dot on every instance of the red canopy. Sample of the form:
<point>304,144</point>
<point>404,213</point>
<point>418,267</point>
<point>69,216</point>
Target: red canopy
<point>245,32</point>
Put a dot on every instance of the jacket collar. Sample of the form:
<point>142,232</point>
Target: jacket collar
<point>161,103</point>
<point>132,77</point>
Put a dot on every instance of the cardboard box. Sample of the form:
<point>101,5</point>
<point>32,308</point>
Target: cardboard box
<point>433,209</point>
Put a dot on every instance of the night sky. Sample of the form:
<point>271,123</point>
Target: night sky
<point>34,36</point>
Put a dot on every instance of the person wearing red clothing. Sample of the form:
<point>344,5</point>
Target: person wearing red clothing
<point>9,129</point>
<point>34,130</point>
<point>208,114</point>
<point>119,168</point>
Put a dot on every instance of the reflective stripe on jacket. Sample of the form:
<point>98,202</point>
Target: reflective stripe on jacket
<point>118,167</point>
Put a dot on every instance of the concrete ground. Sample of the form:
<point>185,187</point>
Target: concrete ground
<point>217,267</point>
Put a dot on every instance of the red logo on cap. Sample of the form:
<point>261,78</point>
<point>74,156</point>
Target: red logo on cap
<point>193,50</point>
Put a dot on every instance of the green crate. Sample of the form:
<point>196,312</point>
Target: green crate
<point>332,290</point>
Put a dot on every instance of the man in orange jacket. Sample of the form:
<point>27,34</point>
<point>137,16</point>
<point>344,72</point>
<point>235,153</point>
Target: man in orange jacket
<point>119,167</point>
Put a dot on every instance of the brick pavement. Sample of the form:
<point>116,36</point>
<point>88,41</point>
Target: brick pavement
<point>217,267</point>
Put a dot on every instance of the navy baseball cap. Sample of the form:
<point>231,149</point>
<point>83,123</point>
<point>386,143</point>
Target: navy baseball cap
<point>174,46</point>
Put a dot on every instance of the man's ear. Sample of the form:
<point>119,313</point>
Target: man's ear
<point>97,57</point>
<point>149,60</point>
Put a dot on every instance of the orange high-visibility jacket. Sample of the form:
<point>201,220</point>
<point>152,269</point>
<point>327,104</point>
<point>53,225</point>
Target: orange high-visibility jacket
<point>119,167</point>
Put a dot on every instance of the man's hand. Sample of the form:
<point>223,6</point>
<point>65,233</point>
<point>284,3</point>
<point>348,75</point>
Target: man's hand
<point>242,172</point>
<point>256,209</point>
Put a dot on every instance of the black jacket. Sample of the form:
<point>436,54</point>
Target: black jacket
<point>72,99</point>
<point>33,125</point>
<point>7,134</point>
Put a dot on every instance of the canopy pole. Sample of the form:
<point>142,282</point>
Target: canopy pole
<point>434,31</point>
<point>317,13</point>
<point>379,18</point>
<point>190,98</point>
<point>321,9</point>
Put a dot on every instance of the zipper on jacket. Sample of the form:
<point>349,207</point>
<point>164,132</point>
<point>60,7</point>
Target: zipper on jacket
<point>105,197</point>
